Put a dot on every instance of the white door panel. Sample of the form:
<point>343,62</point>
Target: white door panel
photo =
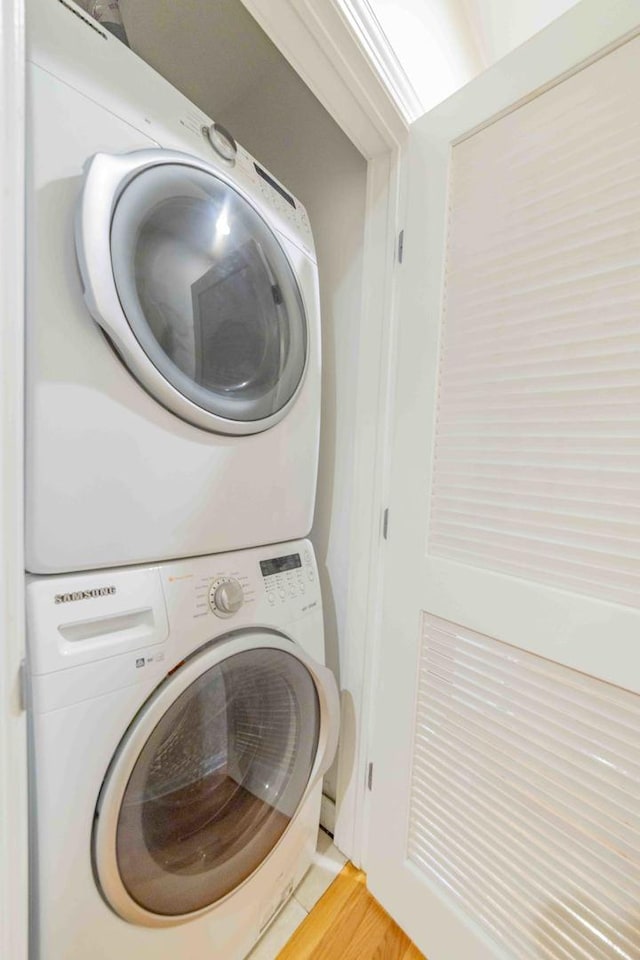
<point>510,664</point>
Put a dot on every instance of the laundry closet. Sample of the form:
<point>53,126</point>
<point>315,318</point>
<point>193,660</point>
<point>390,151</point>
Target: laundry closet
<point>177,665</point>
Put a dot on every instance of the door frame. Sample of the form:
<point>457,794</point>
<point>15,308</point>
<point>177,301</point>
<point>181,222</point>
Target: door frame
<point>13,740</point>
<point>322,44</point>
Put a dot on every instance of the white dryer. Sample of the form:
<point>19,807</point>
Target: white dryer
<point>181,721</point>
<point>173,334</point>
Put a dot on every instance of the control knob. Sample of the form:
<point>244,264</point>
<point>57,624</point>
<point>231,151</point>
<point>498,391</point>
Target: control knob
<point>226,597</point>
<point>221,141</point>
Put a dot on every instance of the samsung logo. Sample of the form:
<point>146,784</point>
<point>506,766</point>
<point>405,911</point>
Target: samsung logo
<point>84,594</point>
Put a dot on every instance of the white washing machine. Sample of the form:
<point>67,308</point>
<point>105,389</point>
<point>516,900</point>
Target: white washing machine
<point>173,334</point>
<point>181,721</point>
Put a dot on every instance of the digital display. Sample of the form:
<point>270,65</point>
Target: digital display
<point>280,564</point>
<point>276,186</point>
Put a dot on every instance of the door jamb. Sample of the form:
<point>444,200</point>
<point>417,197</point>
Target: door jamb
<point>13,747</point>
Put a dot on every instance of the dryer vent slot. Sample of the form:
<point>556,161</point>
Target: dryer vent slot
<point>89,21</point>
<point>136,623</point>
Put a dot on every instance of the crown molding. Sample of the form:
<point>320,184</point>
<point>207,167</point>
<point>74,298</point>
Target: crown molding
<point>375,43</point>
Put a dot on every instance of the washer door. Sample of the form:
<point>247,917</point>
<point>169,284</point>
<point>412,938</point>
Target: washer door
<point>193,288</point>
<point>210,775</point>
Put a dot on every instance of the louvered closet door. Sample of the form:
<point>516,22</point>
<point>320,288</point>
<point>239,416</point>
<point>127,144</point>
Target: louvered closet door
<point>505,803</point>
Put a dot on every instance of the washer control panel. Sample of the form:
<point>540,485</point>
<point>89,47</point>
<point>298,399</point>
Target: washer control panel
<point>287,577</point>
<point>226,596</point>
<point>272,585</point>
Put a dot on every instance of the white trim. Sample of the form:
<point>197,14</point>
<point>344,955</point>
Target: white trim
<point>13,755</point>
<point>374,401</point>
<point>374,40</point>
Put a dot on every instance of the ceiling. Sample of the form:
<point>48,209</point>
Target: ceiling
<point>427,49</point>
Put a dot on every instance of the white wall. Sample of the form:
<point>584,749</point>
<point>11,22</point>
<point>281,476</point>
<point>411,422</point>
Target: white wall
<point>221,59</point>
<point>499,26</point>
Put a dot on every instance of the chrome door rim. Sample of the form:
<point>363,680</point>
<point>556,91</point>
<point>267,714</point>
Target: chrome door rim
<point>135,738</point>
<point>106,178</point>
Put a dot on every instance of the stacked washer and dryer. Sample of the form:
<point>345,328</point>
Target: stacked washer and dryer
<point>181,713</point>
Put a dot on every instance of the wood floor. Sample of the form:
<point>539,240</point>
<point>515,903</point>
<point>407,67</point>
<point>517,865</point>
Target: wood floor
<point>348,924</point>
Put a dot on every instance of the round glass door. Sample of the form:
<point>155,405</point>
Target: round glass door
<point>217,781</point>
<point>208,292</point>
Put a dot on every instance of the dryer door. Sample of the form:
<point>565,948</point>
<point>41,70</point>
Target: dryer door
<point>193,288</point>
<point>209,776</point>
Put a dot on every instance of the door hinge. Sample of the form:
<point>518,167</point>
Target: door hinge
<point>400,246</point>
<point>385,523</point>
<point>370,776</point>
<point>22,685</point>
